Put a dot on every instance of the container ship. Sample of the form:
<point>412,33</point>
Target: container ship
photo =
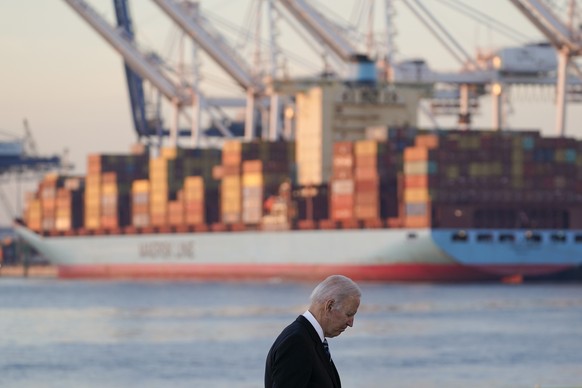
<point>359,190</point>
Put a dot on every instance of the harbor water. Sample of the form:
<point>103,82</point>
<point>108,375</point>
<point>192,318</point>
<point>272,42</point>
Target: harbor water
<point>56,333</point>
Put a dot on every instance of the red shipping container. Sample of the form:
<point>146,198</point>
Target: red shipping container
<point>343,148</point>
<point>367,185</point>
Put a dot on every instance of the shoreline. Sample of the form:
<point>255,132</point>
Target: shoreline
<point>33,271</point>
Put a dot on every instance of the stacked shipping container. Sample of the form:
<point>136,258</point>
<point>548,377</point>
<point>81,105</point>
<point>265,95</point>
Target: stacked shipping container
<point>57,204</point>
<point>342,186</point>
<point>249,174</point>
<point>364,188</point>
<point>456,179</point>
<point>140,203</point>
<point>108,186</point>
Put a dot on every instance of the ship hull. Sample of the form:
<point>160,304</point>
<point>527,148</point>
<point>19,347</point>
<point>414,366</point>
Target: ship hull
<point>388,272</point>
<point>373,254</point>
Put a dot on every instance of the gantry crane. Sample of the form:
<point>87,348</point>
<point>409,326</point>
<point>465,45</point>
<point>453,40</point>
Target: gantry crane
<point>178,92</point>
<point>144,127</point>
<point>19,157</point>
<point>566,38</point>
<point>321,28</point>
<point>199,29</point>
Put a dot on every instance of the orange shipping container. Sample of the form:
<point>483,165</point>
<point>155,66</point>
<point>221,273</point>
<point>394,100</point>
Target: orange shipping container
<point>140,185</point>
<point>416,181</point>
<point>412,154</point>
<point>369,161</point>
<point>368,184</point>
<point>416,195</point>
<point>366,212</point>
<point>417,221</point>
<point>363,198</point>
<point>366,147</point>
<point>252,166</point>
<point>343,148</point>
<point>427,140</point>
<point>194,218</point>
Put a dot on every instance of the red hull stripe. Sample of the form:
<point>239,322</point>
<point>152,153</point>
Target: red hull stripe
<point>393,272</point>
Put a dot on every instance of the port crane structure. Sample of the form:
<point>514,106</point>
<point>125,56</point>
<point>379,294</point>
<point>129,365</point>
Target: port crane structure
<point>180,93</point>
<point>567,40</point>
<point>477,77</point>
<point>532,64</point>
<point>197,27</point>
<point>20,159</point>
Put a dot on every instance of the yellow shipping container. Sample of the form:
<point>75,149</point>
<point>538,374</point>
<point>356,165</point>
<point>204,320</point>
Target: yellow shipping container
<point>232,146</point>
<point>92,201</point>
<point>366,147</point>
<point>159,208</point>
<point>252,179</point>
<point>109,189</point>
<point>193,182</point>
<point>158,164</point>
<point>230,182</point>
<point>231,196</point>
<point>92,179</point>
<point>159,196</point>
<point>416,195</point>
<point>140,185</point>
<point>231,207</point>
<point>169,152</point>
<point>92,222</point>
<point>416,154</point>
<point>194,195</point>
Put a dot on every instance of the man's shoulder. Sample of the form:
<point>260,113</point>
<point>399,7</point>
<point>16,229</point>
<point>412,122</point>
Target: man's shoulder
<point>298,328</point>
<point>298,324</point>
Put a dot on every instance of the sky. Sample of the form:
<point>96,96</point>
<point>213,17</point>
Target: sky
<point>69,84</point>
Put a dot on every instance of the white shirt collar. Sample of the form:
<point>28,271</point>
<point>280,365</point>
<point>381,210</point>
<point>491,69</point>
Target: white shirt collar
<point>315,324</point>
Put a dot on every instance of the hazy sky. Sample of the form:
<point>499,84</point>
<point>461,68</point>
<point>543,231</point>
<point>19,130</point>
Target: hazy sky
<point>59,74</point>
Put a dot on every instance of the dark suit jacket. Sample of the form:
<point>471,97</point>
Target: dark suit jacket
<point>297,359</point>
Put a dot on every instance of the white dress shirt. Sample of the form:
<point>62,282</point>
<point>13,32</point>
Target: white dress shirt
<point>315,324</point>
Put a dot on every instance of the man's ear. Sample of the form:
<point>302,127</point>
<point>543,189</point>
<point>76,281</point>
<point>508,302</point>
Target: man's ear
<point>329,304</point>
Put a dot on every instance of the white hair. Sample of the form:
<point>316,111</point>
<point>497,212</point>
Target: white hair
<point>337,288</point>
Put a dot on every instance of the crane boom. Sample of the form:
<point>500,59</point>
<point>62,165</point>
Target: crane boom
<point>134,81</point>
<point>133,57</point>
<point>564,38</point>
<point>321,28</point>
<point>550,25</point>
<point>211,42</point>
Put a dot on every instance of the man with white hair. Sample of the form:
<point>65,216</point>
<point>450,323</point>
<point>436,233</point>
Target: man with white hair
<point>300,355</point>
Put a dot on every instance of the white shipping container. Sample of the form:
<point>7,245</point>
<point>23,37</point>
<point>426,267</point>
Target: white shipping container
<point>342,186</point>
